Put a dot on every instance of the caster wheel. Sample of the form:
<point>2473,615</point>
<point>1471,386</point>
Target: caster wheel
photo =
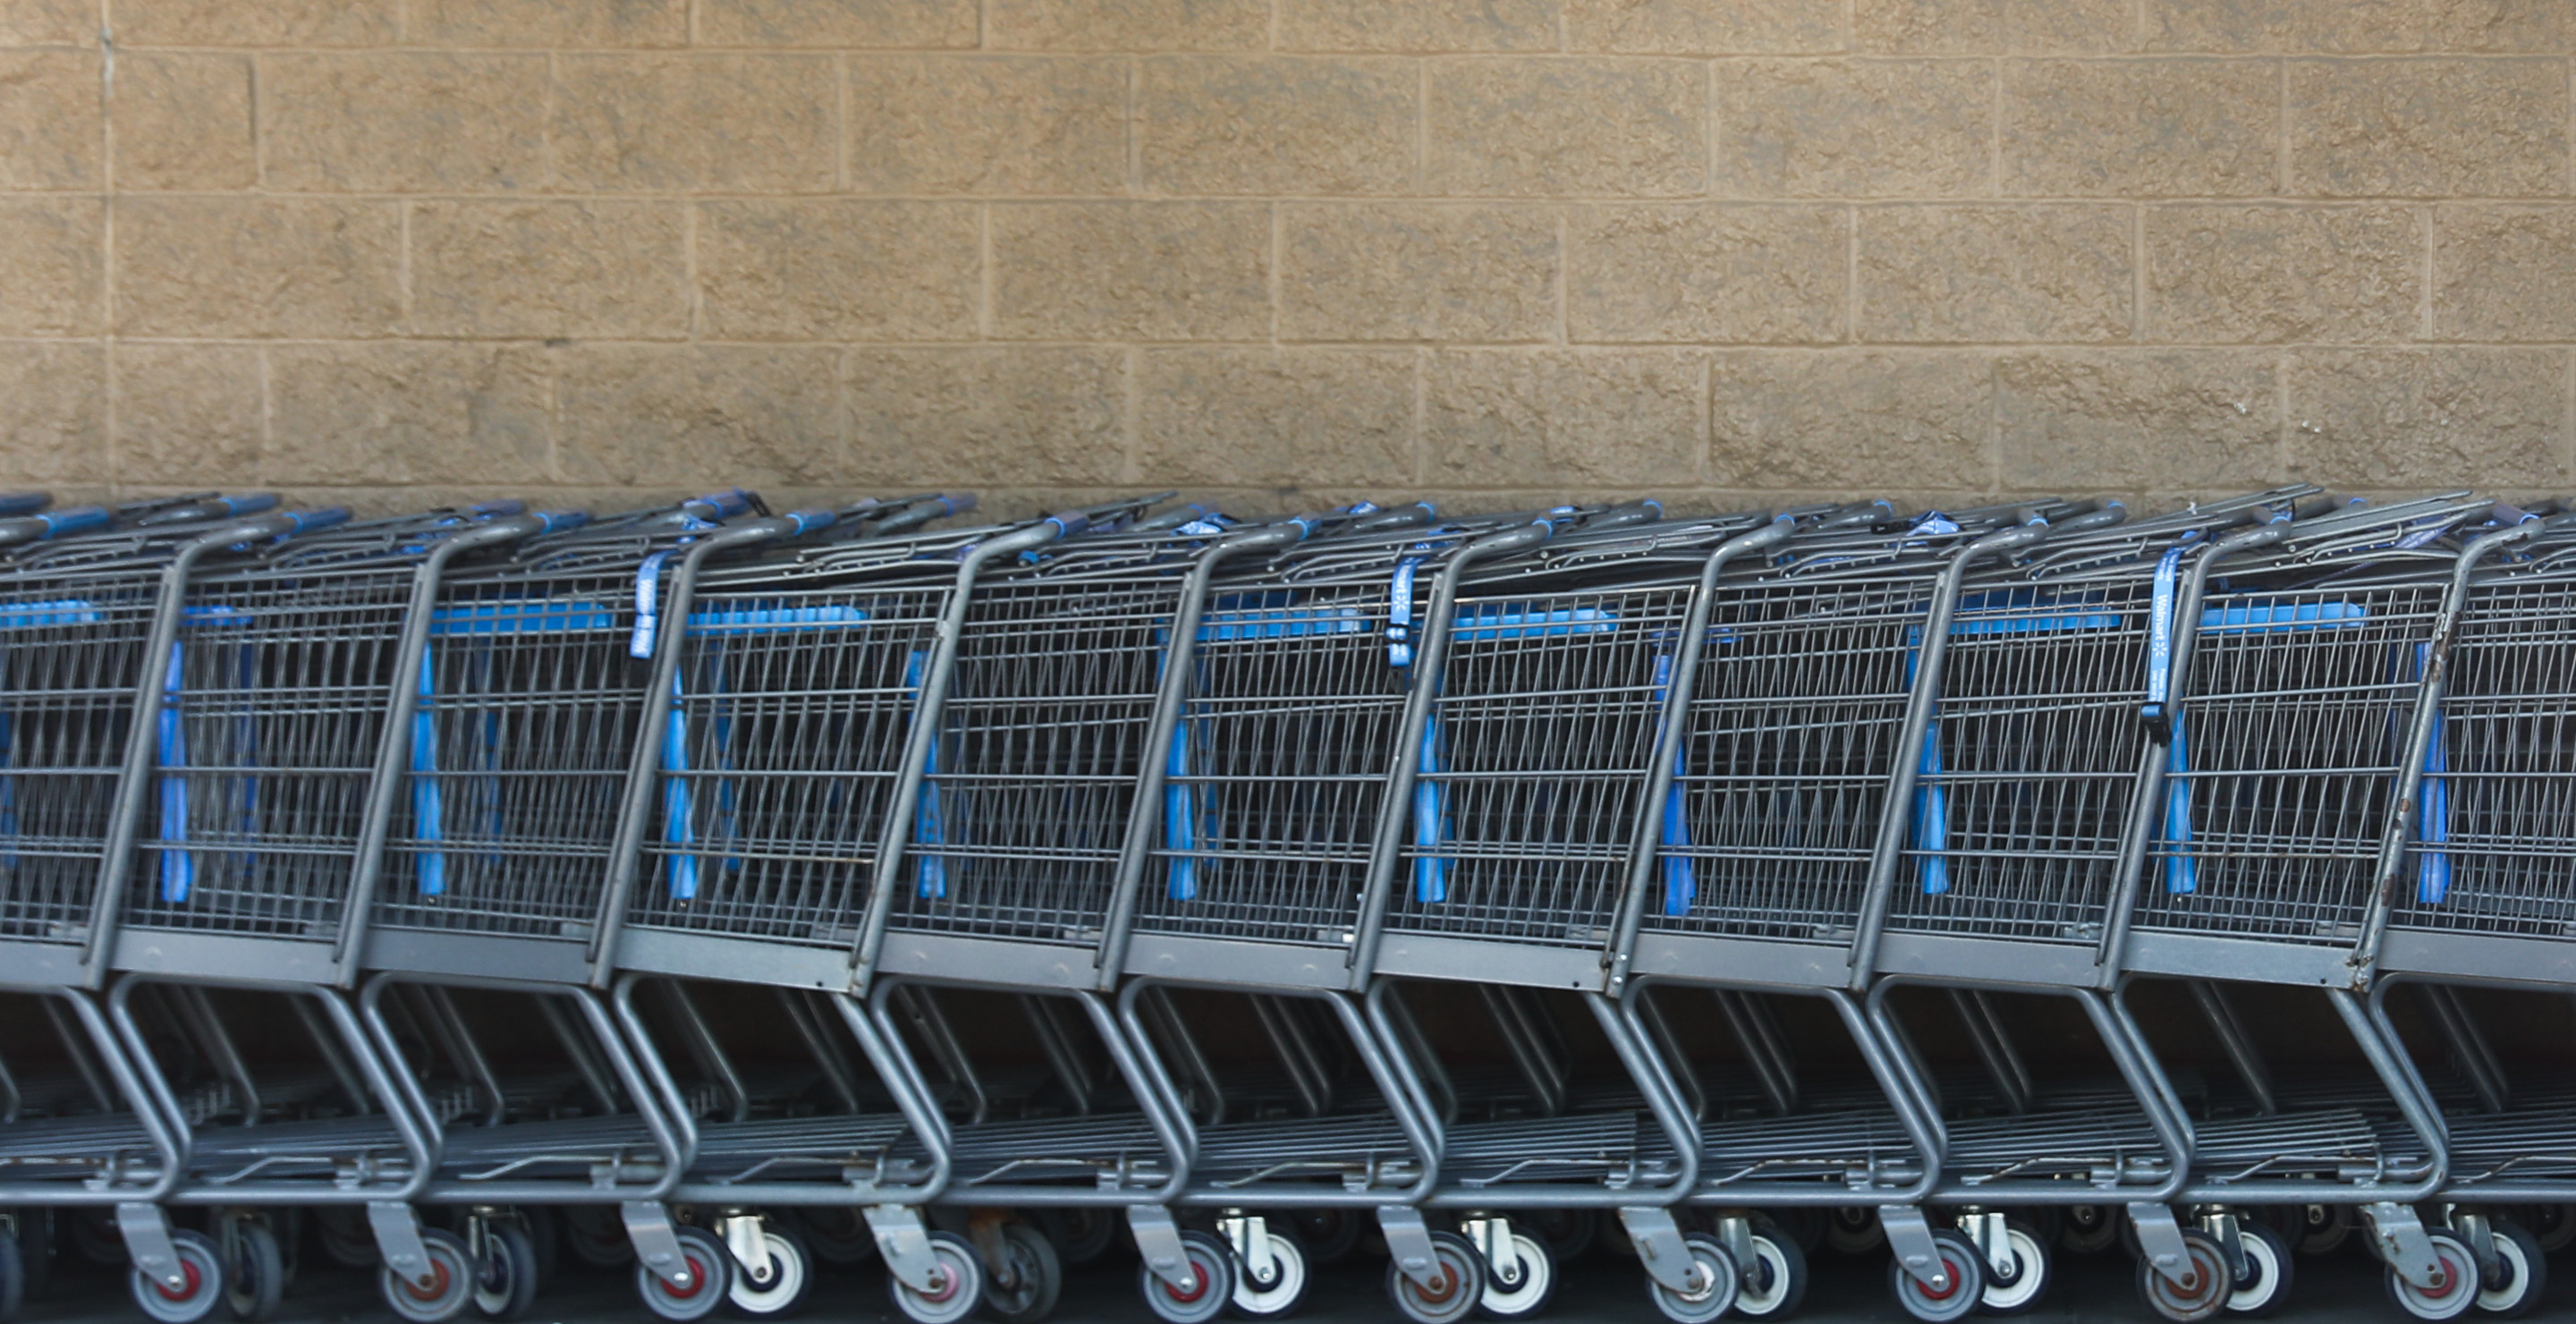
<point>1330,1235</point>
<point>2204,1290</point>
<point>1023,1288</point>
<point>2027,1285</point>
<point>450,1286</point>
<point>710,1268</point>
<point>1720,1278</point>
<point>835,1235</point>
<point>1775,1283</point>
<point>13,1278</point>
<point>596,1236</point>
<point>2449,1298</point>
<point>342,1234</point>
<point>95,1238</point>
<point>2554,1225</point>
<point>254,1269</point>
<point>2269,1270</point>
<point>1458,1286</point>
<point>1960,1263</point>
<point>2090,1229</point>
<point>2522,1274</point>
<point>1277,1294</point>
<point>506,1279</point>
<point>1567,1233</point>
<point>1081,1236</point>
<point>780,1288</point>
<point>202,1269</point>
<point>1211,1283</point>
<point>957,1283</point>
<point>35,1246</point>
<point>2324,1228</point>
<point>1854,1230</point>
<point>1530,1286</point>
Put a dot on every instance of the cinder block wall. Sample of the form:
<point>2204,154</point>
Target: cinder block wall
<point>1286,249</point>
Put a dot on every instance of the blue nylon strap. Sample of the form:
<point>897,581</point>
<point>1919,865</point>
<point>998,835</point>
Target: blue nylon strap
<point>427,807</point>
<point>1399,614</point>
<point>648,604</point>
<point>178,867</point>
<point>2160,636</point>
<point>2433,807</point>
<point>1681,876</point>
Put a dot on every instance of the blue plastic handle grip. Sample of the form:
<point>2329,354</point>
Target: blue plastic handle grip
<point>74,520</point>
<point>23,503</point>
<point>959,504</point>
<point>1069,523</point>
<point>496,509</point>
<point>306,521</point>
<point>806,521</point>
<point>719,505</point>
<point>250,503</point>
<point>560,521</point>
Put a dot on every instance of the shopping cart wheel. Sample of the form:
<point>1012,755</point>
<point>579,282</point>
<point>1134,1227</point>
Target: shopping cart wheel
<point>13,1278</point>
<point>2090,1229</point>
<point>1533,1284</point>
<point>1960,1263</point>
<point>596,1236</point>
<point>2522,1274</point>
<point>2269,1270</point>
<point>1722,1283</point>
<point>779,1289</point>
<point>1079,1236</point>
<point>1566,1233</point>
<point>838,1235</point>
<point>1023,1288</point>
<point>1773,1285</point>
<point>202,1266</point>
<point>35,1246</point>
<point>710,1278</point>
<point>505,1283</point>
<point>958,1285</point>
<point>2554,1224</point>
<point>450,1288</point>
<point>1460,1286</point>
<point>1330,1235</point>
<point>2324,1229</point>
<point>2203,1292</point>
<point>2028,1282</point>
<point>1279,1293</point>
<point>254,1269</point>
<point>2453,1295</point>
<point>1211,1289</point>
<point>1854,1230</point>
<point>344,1238</point>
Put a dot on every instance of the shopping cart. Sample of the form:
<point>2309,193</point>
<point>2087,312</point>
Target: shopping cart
<point>2280,677</point>
<point>518,738</point>
<point>2465,909</point>
<point>775,789</point>
<point>240,857</point>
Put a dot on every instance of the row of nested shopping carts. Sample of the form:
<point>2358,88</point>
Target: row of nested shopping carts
<point>726,894</point>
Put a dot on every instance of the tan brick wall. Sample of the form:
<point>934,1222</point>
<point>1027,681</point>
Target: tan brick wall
<point>1483,248</point>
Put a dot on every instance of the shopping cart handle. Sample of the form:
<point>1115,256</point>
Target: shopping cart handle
<point>72,519</point>
<point>2004,540</point>
<point>2505,513</point>
<point>922,510</point>
<point>497,508</point>
<point>1864,515</point>
<point>23,503</point>
<point>802,522</point>
<point>1512,540</point>
<point>1411,516</point>
<point>562,521</point>
<point>1267,538</point>
<point>1071,522</point>
<point>718,505</point>
<point>1645,511</point>
<point>2261,535</point>
<point>2107,515</point>
<point>2323,503</point>
<point>509,529</point>
<point>222,507</point>
<point>1188,512</point>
